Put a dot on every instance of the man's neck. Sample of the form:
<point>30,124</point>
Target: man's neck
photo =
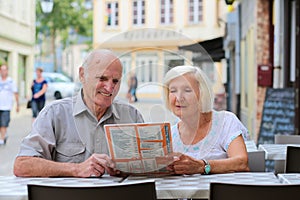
<point>3,78</point>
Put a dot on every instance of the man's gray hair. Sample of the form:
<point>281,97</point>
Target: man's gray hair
<point>102,54</point>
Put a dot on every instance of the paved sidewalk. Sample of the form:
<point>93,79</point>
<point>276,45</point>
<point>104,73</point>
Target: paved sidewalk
<point>20,126</point>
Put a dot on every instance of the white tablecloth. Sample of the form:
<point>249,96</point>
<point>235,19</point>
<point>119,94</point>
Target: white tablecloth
<point>293,178</point>
<point>275,151</point>
<point>170,187</point>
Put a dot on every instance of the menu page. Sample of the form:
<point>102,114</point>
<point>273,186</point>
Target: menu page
<point>140,148</point>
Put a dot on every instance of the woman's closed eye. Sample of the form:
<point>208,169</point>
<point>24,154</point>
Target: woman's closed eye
<point>173,91</point>
<point>188,90</point>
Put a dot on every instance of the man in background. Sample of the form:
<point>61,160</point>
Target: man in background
<point>8,89</point>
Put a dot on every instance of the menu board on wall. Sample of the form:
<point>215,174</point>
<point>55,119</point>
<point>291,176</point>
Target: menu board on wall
<point>278,114</point>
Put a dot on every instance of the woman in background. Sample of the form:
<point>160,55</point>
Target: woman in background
<point>207,141</point>
<point>38,88</point>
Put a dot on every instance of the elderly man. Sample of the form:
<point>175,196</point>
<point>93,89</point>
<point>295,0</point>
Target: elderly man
<point>67,137</point>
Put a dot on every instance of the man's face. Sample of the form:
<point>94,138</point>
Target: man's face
<point>101,83</point>
<point>4,71</point>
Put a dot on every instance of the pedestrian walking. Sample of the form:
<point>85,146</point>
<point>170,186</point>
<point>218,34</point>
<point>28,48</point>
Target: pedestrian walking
<point>38,88</point>
<point>132,86</point>
<point>8,89</point>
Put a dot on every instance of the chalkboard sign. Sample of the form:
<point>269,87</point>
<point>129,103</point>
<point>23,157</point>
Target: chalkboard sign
<point>278,114</point>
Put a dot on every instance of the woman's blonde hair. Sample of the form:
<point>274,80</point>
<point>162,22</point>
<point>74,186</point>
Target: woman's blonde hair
<point>206,100</point>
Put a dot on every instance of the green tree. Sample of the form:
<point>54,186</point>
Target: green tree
<point>68,20</point>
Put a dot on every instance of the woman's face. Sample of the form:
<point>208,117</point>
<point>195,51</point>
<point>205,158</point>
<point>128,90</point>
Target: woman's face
<point>184,96</point>
<point>38,73</point>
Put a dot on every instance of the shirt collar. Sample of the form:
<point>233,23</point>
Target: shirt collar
<point>79,107</point>
<point>78,104</point>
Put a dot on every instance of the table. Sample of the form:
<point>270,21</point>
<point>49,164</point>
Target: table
<point>275,151</point>
<point>197,186</point>
<point>290,178</point>
<point>169,187</point>
<point>250,145</point>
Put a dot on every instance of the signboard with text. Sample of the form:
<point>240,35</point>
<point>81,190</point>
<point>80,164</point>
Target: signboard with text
<point>278,114</point>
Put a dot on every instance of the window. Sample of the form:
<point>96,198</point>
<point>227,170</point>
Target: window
<point>126,62</point>
<point>138,12</point>
<point>147,68</point>
<point>112,14</point>
<point>195,11</point>
<point>166,12</point>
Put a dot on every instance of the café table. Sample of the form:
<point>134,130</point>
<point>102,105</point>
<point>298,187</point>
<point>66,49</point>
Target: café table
<point>168,187</point>
<point>275,151</point>
<point>250,145</point>
<point>289,178</point>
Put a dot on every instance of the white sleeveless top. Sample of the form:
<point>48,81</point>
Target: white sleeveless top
<point>225,128</point>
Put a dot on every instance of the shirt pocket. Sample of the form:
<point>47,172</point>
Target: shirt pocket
<point>70,152</point>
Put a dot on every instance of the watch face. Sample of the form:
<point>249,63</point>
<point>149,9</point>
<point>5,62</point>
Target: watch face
<point>207,169</point>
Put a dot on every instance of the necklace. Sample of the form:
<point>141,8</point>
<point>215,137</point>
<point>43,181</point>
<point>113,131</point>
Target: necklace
<point>190,136</point>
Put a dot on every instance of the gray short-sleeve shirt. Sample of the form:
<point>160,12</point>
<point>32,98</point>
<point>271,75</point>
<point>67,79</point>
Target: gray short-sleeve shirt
<point>66,131</point>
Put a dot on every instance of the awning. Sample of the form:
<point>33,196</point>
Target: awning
<point>213,47</point>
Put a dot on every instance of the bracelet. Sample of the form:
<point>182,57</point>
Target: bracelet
<point>207,167</point>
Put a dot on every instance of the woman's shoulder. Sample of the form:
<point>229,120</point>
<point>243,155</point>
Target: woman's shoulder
<point>39,81</point>
<point>224,114</point>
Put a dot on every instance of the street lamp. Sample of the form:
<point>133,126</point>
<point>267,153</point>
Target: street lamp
<point>229,5</point>
<point>47,6</point>
<point>229,2</point>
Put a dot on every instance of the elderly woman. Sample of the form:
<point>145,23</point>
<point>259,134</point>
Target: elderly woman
<point>207,141</point>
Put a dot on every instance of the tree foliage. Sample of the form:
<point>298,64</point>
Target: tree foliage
<point>67,16</point>
<point>68,20</point>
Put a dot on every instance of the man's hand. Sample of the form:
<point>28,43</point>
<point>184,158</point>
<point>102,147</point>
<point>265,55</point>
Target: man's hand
<point>96,165</point>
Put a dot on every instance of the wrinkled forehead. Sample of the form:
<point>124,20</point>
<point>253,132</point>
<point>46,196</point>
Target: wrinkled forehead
<point>185,79</point>
<point>106,64</point>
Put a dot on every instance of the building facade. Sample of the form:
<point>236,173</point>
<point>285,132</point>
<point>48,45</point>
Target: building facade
<point>261,43</point>
<point>17,39</point>
<point>146,34</point>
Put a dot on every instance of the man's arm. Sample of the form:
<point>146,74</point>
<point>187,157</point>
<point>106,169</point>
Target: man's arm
<point>96,165</point>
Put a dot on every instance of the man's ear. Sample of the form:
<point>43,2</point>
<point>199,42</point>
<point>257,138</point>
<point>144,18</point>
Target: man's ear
<point>81,75</point>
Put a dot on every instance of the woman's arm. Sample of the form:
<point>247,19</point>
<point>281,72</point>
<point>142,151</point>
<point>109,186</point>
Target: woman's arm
<point>237,160</point>
<point>41,92</point>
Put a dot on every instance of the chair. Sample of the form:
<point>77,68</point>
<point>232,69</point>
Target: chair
<point>279,165</point>
<point>221,191</point>
<point>287,139</point>
<point>145,191</point>
<point>292,162</point>
<point>256,161</point>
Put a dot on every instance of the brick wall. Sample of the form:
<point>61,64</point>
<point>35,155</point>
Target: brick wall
<point>262,52</point>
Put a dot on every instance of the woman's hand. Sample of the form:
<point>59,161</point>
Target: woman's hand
<point>184,164</point>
